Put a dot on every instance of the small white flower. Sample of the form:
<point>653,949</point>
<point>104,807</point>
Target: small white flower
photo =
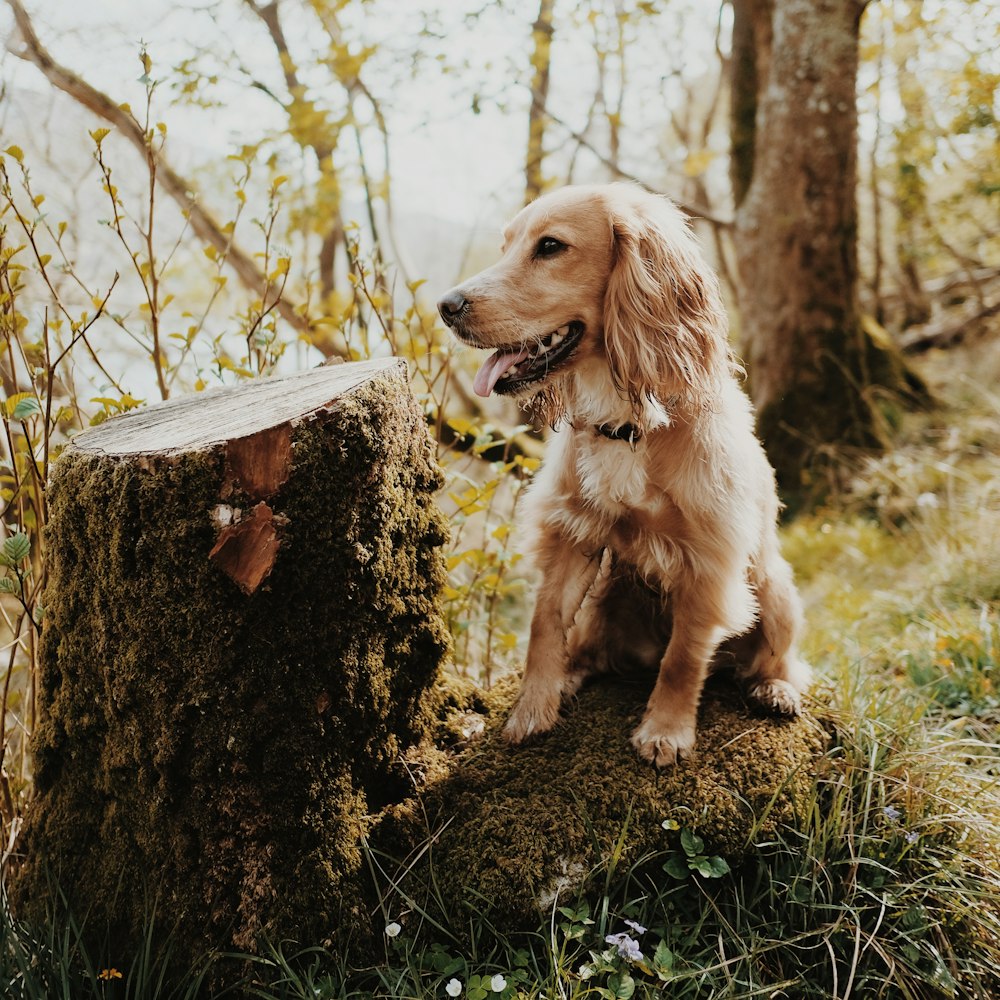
<point>498,984</point>
<point>392,930</point>
<point>627,947</point>
<point>454,987</point>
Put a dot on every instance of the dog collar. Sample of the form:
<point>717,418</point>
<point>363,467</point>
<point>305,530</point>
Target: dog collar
<point>626,432</point>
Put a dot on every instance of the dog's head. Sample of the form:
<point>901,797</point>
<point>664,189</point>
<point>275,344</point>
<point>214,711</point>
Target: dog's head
<point>608,278</point>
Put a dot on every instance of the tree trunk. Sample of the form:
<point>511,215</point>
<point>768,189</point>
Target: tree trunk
<point>816,378</point>
<point>242,627</point>
<point>534,179</point>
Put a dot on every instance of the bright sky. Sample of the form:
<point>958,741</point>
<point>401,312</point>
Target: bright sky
<point>447,161</point>
<point>437,169</point>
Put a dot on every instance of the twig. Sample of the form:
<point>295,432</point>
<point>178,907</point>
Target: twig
<point>177,187</point>
<point>696,211</point>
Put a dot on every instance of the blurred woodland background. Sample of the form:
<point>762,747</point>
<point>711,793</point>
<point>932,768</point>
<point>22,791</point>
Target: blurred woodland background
<point>202,191</point>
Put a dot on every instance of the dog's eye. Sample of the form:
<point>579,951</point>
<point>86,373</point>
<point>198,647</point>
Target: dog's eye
<point>548,246</point>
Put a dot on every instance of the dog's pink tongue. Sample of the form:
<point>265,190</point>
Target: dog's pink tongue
<point>495,366</point>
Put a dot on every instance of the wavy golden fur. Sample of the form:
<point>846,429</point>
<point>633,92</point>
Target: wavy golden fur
<point>653,519</point>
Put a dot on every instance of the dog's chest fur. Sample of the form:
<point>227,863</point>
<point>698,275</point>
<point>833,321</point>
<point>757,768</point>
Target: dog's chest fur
<point>616,502</point>
<point>614,484</point>
<point>612,475</point>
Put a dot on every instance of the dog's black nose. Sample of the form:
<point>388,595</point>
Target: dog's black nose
<point>452,306</point>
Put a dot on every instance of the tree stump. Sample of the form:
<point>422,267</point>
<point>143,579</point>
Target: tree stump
<point>242,625</point>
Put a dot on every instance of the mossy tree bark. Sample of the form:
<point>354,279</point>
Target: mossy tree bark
<point>242,627</point>
<point>818,380</point>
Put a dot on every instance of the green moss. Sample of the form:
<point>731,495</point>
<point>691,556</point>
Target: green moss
<point>216,751</point>
<point>511,825</point>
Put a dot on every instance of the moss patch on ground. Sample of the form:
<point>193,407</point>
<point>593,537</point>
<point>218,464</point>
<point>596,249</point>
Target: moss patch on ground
<point>509,828</point>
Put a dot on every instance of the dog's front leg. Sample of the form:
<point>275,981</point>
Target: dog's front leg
<point>567,574</point>
<point>667,730</point>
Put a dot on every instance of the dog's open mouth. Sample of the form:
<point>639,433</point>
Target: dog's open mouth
<point>510,369</point>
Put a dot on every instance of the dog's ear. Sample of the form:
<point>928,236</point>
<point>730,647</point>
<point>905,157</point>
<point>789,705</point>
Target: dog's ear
<point>664,325</point>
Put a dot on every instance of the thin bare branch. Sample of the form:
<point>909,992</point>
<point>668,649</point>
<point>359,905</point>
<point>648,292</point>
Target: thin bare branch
<point>696,211</point>
<point>176,186</point>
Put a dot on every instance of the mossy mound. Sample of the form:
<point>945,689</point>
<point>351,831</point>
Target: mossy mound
<point>213,751</point>
<point>511,827</point>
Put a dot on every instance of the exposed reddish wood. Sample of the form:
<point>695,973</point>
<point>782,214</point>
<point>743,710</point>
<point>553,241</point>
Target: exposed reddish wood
<point>259,463</point>
<point>246,551</point>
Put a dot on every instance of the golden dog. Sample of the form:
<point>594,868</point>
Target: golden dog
<point>653,518</point>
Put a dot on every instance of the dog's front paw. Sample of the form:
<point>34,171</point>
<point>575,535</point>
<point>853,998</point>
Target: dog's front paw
<point>776,696</point>
<point>531,716</point>
<point>663,744</point>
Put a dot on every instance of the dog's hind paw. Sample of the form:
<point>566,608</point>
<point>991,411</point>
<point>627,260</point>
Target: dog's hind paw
<point>663,746</point>
<point>776,696</point>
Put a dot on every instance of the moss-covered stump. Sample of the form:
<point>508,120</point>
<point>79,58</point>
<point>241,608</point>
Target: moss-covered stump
<point>242,623</point>
<point>509,827</point>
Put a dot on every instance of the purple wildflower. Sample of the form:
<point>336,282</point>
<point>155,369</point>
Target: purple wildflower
<point>912,837</point>
<point>627,947</point>
<point>638,928</point>
<point>891,812</point>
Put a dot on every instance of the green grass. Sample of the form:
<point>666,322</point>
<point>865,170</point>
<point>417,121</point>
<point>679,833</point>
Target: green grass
<point>884,887</point>
<point>888,884</point>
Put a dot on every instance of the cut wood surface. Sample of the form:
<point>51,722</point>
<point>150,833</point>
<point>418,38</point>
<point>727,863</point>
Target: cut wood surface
<point>232,412</point>
<point>251,424</point>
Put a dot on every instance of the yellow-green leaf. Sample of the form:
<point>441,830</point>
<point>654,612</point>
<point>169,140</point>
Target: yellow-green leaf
<point>28,407</point>
<point>462,426</point>
<point>12,401</point>
<point>698,162</point>
<point>507,639</point>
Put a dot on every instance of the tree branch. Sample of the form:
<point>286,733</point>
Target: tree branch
<point>204,226</point>
<point>179,190</point>
<point>696,211</point>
